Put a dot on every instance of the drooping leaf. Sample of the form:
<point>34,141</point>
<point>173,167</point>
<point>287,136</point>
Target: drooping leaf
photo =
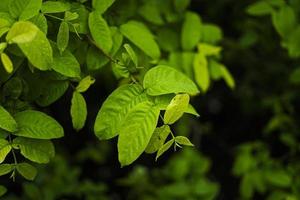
<point>22,32</point>
<point>63,36</point>
<point>176,108</point>
<point>164,148</point>
<point>102,5</point>
<point>39,151</point>
<point>100,32</point>
<point>284,20</point>
<point>7,63</point>
<point>115,109</point>
<point>181,5</point>
<point>182,140</point>
<point>227,77</point>
<point>5,148</point>
<point>37,125</point>
<point>279,178</point>
<point>24,9</point>
<point>78,111</point>
<point>140,35</point>
<point>7,122</point>
<point>85,83</point>
<point>191,31</point>
<point>165,80</point>
<point>55,7</point>
<point>201,71</point>
<point>27,171</point>
<point>209,50</point>
<point>136,132</point>
<point>158,139</point>
<point>132,54</point>
<point>260,8</point>
<point>5,169</point>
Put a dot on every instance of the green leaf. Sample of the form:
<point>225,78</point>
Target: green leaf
<point>246,186</point>
<point>100,32</point>
<point>7,122</point>
<point>7,63</point>
<point>41,22</point>
<point>183,141</point>
<point>115,109</point>
<point>227,77</point>
<point>132,54</point>
<point>39,151</point>
<point>38,51</point>
<point>69,16</point>
<point>78,111</point>
<point>211,34</point>
<point>136,132</point>
<point>164,148</point>
<point>168,39</point>
<point>260,8</point>
<point>201,71</point>
<point>209,50</point>
<point>284,20</point>
<point>176,108</point>
<point>165,80</point>
<point>3,190</point>
<point>55,7</point>
<point>85,83</point>
<point>65,63</point>
<point>141,36</point>
<point>22,32</point>
<point>181,5</point>
<point>191,31</point>
<point>24,9</point>
<point>279,178</point>
<point>102,5</point>
<point>63,36</point>
<point>35,124</point>
<point>51,91</point>
<point>5,169</point>
<point>27,171</point>
<point>5,148</point>
<point>158,138</point>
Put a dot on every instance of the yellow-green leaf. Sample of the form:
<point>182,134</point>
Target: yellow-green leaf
<point>7,63</point>
<point>176,108</point>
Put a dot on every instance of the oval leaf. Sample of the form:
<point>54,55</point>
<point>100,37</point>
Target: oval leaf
<point>78,111</point>
<point>63,36</point>
<point>27,171</point>
<point>35,124</point>
<point>158,139</point>
<point>176,108</point>
<point>7,122</point>
<point>5,148</point>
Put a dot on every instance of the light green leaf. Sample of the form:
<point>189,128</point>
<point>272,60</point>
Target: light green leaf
<point>215,69</point>
<point>209,50</point>
<point>136,132</point>
<point>78,111</point>
<point>85,83</point>
<point>102,5</point>
<point>165,80</point>
<point>65,63</point>
<point>227,77</point>
<point>7,63</point>
<point>5,148</point>
<point>27,171</point>
<point>5,169</point>
<point>141,36</point>
<point>63,36</point>
<point>260,8</point>
<point>191,31</point>
<point>158,138</point>
<point>7,122</point>
<point>22,32</point>
<point>35,124</point>
<point>41,22</point>
<point>164,148</point>
<point>70,16</point>
<point>38,51</point>
<point>211,33</point>
<point>100,32</point>
<point>176,108</point>
<point>3,190</point>
<point>39,151</point>
<point>181,5</point>
<point>201,71</point>
<point>115,109</point>
<point>55,7</point>
<point>183,141</point>
<point>24,9</point>
<point>132,54</point>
